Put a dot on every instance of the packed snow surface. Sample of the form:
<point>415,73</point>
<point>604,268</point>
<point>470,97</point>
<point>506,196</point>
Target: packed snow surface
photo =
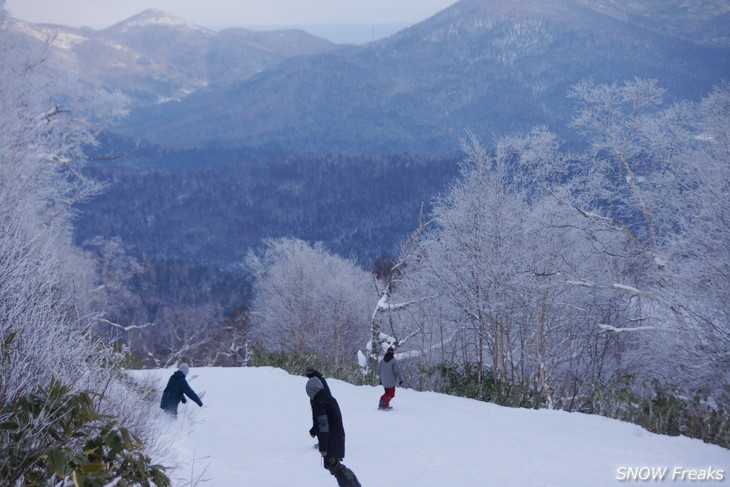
<point>253,430</point>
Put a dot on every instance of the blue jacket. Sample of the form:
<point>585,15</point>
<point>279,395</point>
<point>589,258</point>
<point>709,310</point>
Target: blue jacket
<point>175,392</point>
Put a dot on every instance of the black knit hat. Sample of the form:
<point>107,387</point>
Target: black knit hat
<point>390,350</point>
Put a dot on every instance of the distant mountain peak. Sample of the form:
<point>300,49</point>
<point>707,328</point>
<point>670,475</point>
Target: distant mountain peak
<point>154,17</point>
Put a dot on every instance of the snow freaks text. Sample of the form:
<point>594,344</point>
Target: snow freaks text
<point>658,474</point>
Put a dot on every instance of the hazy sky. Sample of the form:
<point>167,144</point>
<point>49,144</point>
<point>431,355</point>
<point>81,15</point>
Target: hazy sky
<point>214,14</point>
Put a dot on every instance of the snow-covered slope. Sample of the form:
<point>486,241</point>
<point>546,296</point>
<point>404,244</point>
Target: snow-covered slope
<point>253,430</point>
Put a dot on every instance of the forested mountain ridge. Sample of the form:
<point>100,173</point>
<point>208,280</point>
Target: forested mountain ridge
<point>492,67</point>
<point>704,21</point>
<point>155,56</point>
<point>191,216</point>
<point>212,216</point>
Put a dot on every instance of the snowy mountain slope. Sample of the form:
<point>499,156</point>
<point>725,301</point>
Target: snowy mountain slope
<point>493,67</point>
<point>253,428</point>
<point>155,56</point>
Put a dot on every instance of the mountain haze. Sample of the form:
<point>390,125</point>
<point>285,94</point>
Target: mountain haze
<point>156,56</point>
<point>494,67</point>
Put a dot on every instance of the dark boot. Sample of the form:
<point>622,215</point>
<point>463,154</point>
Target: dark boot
<point>346,477</point>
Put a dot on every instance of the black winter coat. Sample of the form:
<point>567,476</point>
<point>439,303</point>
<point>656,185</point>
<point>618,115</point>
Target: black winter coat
<point>328,425</point>
<point>175,392</point>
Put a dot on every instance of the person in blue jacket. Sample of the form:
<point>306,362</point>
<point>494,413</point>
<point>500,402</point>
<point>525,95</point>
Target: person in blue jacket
<point>176,390</point>
<point>329,430</point>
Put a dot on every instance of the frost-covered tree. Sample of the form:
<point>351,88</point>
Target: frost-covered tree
<point>473,257</point>
<point>384,333</point>
<point>112,296</point>
<point>493,264</point>
<point>309,301</point>
<point>648,190</point>
<point>46,283</point>
<point>700,270</point>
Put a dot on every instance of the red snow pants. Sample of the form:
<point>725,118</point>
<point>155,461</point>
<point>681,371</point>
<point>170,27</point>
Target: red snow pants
<point>389,394</point>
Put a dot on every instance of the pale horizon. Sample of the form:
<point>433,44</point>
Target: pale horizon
<point>100,14</point>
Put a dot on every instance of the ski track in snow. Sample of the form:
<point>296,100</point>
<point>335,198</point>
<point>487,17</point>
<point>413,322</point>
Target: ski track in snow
<point>253,430</point>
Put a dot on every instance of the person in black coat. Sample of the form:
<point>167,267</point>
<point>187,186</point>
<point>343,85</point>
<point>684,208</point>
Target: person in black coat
<point>176,390</point>
<point>310,372</point>
<point>328,427</point>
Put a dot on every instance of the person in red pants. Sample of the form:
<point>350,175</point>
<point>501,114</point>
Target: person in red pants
<point>390,376</point>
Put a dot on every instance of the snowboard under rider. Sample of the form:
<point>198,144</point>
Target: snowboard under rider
<point>176,390</point>
<point>328,428</point>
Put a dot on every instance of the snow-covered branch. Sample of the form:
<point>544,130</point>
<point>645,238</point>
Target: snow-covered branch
<point>125,328</point>
<point>622,287</point>
<point>383,305</point>
<point>628,330</point>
